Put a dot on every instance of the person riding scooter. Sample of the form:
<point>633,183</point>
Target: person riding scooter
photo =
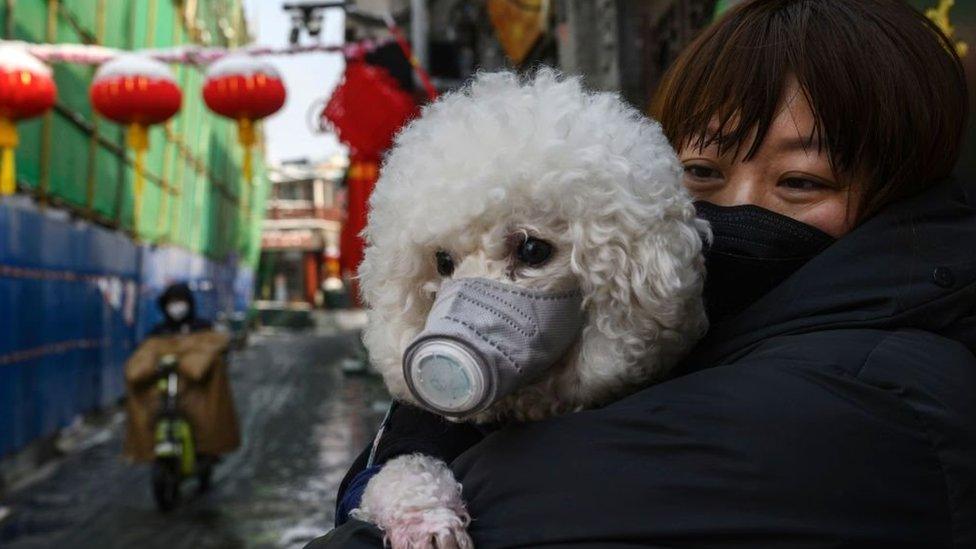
<point>188,347</point>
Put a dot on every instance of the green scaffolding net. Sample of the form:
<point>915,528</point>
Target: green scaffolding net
<point>195,195</point>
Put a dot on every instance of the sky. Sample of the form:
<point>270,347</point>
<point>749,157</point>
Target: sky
<point>308,77</point>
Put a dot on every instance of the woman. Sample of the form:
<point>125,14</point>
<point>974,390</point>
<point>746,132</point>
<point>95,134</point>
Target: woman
<point>833,402</point>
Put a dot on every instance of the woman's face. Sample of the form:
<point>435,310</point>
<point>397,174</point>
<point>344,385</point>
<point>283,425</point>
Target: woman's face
<point>788,175</point>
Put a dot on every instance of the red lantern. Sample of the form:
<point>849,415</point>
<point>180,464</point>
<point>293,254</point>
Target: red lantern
<point>136,91</point>
<point>368,108</point>
<point>245,89</point>
<point>27,90</point>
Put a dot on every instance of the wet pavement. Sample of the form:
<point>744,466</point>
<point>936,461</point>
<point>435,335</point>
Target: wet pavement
<point>303,422</point>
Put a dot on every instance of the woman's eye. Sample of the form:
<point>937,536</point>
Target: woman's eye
<point>800,184</point>
<point>445,264</point>
<point>534,252</point>
<point>698,171</point>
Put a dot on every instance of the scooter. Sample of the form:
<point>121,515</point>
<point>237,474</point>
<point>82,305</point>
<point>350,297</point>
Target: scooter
<point>175,456</point>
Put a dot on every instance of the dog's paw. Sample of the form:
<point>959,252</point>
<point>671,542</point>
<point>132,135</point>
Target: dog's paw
<point>417,503</point>
<point>428,529</point>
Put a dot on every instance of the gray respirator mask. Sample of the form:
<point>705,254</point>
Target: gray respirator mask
<point>484,339</point>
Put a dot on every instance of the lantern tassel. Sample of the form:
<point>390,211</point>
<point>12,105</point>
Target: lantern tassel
<point>8,169</point>
<point>247,165</point>
<point>137,137</point>
<point>247,138</point>
<point>245,200</point>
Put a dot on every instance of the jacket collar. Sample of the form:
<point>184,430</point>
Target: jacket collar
<point>911,266</point>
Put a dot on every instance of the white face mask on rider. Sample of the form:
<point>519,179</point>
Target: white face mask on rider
<point>177,310</point>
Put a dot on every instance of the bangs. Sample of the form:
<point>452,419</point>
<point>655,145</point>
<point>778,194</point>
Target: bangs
<point>885,86</point>
<point>731,83</point>
<point>725,90</point>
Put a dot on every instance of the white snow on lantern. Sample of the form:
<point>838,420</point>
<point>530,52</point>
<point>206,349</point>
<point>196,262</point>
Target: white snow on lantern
<point>17,58</point>
<point>237,64</point>
<point>134,65</point>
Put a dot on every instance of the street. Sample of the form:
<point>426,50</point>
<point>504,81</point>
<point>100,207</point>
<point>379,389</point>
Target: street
<point>303,422</point>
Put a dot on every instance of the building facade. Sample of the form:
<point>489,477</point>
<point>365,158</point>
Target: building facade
<point>300,239</point>
<point>614,45</point>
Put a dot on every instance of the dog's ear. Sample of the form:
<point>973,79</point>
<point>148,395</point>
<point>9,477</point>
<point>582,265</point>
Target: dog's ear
<point>641,275</point>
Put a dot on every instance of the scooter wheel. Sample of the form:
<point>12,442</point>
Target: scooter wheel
<point>204,476</point>
<point>166,484</point>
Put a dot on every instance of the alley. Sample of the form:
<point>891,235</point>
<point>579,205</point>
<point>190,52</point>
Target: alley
<point>303,421</point>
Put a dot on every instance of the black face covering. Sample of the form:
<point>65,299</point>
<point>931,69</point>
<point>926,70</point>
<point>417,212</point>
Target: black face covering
<point>753,250</point>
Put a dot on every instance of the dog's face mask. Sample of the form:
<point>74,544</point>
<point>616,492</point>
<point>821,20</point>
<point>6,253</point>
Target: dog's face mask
<point>563,197</point>
<point>513,315</point>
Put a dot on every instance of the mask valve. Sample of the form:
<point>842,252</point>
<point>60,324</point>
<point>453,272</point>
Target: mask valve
<point>448,377</point>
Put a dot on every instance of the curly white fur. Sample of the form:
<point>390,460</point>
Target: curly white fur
<point>503,158</point>
<point>417,503</point>
<point>544,157</point>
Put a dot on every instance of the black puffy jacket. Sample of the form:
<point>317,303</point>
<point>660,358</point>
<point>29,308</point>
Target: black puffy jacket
<point>839,410</point>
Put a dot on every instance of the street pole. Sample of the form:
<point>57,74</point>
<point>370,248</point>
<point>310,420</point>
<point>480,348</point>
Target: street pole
<point>418,30</point>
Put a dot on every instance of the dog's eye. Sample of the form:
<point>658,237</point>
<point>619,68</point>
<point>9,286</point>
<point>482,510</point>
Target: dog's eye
<point>534,252</point>
<point>445,265</point>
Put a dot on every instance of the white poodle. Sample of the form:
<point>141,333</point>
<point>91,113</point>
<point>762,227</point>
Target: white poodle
<point>542,186</point>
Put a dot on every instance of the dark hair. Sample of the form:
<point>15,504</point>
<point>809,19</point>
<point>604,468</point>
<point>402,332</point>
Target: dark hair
<point>179,291</point>
<point>886,87</point>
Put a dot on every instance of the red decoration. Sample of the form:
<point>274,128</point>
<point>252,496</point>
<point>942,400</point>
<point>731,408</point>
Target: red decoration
<point>245,89</point>
<point>368,108</point>
<point>132,90</point>
<point>136,99</point>
<point>360,180</point>
<point>26,90</point>
<point>139,92</point>
<point>25,93</point>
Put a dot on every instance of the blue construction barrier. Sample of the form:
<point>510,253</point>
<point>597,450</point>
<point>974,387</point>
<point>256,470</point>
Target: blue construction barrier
<point>75,299</point>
